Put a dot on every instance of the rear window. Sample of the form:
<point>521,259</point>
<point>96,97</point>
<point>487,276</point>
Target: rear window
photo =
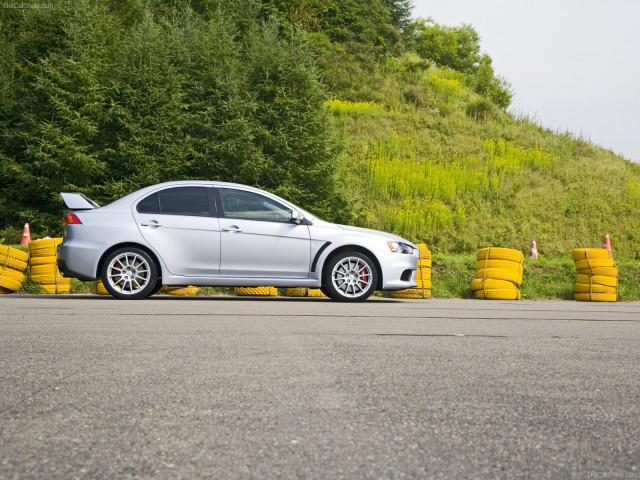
<point>177,201</point>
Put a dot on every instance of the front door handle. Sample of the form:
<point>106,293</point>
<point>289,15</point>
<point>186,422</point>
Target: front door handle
<point>152,223</point>
<point>231,229</point>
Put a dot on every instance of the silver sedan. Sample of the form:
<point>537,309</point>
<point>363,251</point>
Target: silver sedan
<point>224,234</point>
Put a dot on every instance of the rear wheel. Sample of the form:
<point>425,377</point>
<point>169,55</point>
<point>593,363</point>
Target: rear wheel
<point>350,277</point>
<point>129,273</point>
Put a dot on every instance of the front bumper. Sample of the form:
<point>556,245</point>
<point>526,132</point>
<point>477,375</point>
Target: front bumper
<point>394,268</point>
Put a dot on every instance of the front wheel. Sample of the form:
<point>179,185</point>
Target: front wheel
<point>129,273</point>
<point>350,277</point>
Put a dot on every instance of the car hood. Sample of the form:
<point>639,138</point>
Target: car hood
<point>384,235</point>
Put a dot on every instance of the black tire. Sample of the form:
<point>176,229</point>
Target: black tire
<point>129,273</point>
<point>349,277</point>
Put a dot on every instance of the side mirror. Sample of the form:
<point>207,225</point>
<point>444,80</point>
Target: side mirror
<point>296,217</point>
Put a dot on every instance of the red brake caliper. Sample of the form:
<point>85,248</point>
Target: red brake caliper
<point>363,272</point>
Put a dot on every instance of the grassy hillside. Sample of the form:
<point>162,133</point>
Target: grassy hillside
<point>425,156</point>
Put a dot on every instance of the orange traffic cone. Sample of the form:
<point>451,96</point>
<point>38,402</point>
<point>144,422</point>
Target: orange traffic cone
<point>533,253</point>
<point>26,235</point>
<point>607,245</point>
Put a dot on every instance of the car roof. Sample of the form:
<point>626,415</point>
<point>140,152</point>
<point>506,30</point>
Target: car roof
<point>124,203</point>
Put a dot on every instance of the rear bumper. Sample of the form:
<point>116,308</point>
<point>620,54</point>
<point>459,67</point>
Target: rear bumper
<point>79,254</point>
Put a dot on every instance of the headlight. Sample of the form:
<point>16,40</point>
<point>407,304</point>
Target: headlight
<point>400,247</point>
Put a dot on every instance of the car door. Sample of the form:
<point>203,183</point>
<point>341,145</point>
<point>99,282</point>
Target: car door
<point>181,225</point>
<point>258,238</point>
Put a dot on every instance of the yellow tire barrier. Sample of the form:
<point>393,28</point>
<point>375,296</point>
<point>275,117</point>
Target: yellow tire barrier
<point>597,279</point>
<point>100,290</point>
<point>296,292</point>
<point>47,269</point>
<point>424,284</point>
<point>50,279</point>
<point>591,253</point>
<point>593,288</point>
<point>500,274</point>
<point>498,294</point>
<point>595,297</point>
<point>13,253</point>
<point>490,284</point>
<point>256,291</point>
<point>315,292</point>
<point>424,263</point>
<point>55,289</point>
<point>189,291</point>
<point>505,264</point>
<point>421,293</point>
<point>498,253</point>
<point>604,271</point>
<point>589,264</point>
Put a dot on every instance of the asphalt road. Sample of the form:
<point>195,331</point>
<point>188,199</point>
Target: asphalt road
<point>216,387</point>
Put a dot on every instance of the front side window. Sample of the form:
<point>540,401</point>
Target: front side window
<point>177,201</point>
<point>252,206</point>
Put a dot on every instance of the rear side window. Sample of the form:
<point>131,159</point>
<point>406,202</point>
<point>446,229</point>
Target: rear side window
<point>177,201</point>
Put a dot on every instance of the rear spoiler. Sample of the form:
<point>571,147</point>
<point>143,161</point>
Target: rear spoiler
<point>78,201</point>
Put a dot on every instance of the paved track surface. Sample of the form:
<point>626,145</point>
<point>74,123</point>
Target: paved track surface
<point>216,387</point>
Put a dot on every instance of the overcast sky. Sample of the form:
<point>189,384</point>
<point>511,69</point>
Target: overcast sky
<point>574,64</point>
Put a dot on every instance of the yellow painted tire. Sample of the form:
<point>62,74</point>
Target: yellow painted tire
<point>12,274</point>
<point>315,292</point>
<point>423,273</point>
<point>44,248</point>
<point>48,269</point>
<point>592,253</point>
<point>490,284</point>
<point>500,274</point>
<point>189,291</point>
<point>256,291</point>
<point>424,251</point>
<point>13,253</point>
<point>498,294</point>
<point>51,279</point>
<point>421,293</point>
<point>593,288</point>
<point>10,284</point>
<point>424,284</point>
<point>498,253</point>
<point>597,280</point>
<point>38,261</point>
<point>595,297</point>
<point>595,263</point>
<point>55,289</point>
<point>100,290</point>
<point>296,292</point>
<point>9,259</point>
<point>505,264</point>
<point>424,263</point>
<point>601,271</point>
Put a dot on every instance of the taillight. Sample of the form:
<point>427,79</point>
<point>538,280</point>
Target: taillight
<point>71,219</point>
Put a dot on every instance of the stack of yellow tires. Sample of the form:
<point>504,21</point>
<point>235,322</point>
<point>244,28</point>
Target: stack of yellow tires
<point>423,277</point>
<point>304,292</point>
<point>44,269</point>
<point>498,274</point>
<point>597,279</point>
<point>13,263</point>
<point>256,291</point>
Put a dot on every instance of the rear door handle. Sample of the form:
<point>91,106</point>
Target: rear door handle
<point>152,223</point>
<point>232,229</point>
